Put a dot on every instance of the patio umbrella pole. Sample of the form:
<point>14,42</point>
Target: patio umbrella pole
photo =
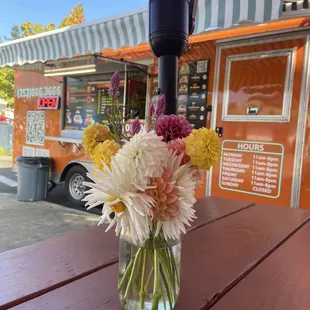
<point>170,24</point>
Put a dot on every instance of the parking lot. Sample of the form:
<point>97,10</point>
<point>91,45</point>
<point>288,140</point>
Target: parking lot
<point>23,223</point>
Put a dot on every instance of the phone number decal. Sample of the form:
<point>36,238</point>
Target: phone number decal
<point>38,92</point>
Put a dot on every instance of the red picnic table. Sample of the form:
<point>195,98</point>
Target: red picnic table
<point>237,256</point>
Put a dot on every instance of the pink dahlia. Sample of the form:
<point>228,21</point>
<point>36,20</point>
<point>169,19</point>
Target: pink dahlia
<point>178,146</point>
<point>165,196</point>
<point>172,127</point>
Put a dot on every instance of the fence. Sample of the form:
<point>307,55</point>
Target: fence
<point>6,136</point>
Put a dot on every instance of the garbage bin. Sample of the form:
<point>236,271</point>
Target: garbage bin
<point>32,178</point>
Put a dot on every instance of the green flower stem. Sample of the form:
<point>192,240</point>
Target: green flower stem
<point>163,296</point>
<point>126,274</point>
<point>169,275</point>
<point>148,281</point>
<point>142,291</point>
<point>136,276</point>
<point>174,265</point>
<point>156,291</point>
<point>132,273</point>
<point>168,289</point>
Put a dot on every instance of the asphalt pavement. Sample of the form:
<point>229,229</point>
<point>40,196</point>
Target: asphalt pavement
<point>8,184</point>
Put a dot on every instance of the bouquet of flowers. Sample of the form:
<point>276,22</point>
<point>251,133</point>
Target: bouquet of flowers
<point>146,183</point>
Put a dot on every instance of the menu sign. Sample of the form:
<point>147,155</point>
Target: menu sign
<point>193,83</point>
<point>87,104</point>
<point>253,168</point>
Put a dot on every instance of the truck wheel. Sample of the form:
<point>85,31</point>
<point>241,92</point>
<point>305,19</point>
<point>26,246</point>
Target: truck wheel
<point>75,190</point>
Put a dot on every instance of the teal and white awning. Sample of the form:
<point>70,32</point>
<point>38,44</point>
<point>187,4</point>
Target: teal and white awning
<point>213,14</point>
<point>129,30</point>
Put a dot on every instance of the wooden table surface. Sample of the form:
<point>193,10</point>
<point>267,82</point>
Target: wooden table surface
<point>237,255</point>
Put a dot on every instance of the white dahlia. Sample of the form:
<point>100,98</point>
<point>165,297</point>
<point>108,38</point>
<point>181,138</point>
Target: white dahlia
<point>184,181</point>
<point>144,156</point>
<point>115,190</point>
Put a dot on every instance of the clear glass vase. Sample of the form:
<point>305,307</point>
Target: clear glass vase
<point>149,273</point>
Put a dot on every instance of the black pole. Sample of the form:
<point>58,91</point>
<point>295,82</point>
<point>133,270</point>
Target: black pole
<point>168,34</point>
<point>168,81</point>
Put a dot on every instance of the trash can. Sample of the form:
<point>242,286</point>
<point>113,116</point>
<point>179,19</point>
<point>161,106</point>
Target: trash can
<point>32,178</point>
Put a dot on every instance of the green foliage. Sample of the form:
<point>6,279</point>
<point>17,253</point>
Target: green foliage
<point>3,152</point>
<point>76,17</point>
<point>7,85</point>
<point>25,30</point>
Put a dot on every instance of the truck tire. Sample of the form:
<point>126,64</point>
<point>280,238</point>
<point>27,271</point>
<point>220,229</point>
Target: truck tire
<point>74,185</point>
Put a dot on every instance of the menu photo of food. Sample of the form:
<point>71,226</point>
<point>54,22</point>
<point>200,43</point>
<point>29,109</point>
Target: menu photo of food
<point>185,69</point>
<point>77,119</point>
<point>68,117</point>
<point>183,98</point>
<point>183,88</point>
<point>182,107</point>
<point>183,79</point>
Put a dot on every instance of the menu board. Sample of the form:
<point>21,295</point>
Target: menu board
<point>193,84</point>
<point>253,168</point>
<point>87,103</point>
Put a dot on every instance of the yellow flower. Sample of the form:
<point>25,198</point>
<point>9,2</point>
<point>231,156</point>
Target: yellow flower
<point>103,152</point>
<point>203,146</point>
<point>94,134</point>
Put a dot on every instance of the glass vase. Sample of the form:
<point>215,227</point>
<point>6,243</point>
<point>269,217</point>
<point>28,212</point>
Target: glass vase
<point>149,273</point>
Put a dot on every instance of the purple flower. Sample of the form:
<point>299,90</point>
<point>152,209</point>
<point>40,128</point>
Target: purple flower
<point>151,110</point>
<point>114,85</point>
<point>161,106</point>
<point>136,126</point>
<point>172,127</point>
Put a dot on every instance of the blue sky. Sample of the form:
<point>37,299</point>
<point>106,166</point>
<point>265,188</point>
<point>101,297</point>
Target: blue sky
<point>45,12</point>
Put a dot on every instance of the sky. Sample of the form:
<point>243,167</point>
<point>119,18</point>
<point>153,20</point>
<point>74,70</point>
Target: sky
<point>14,12</point>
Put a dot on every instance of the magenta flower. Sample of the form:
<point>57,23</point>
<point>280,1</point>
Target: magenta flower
<point>136,126</point>
<point>161,106</point>
<point>114,85</point>
<point>172,127</point>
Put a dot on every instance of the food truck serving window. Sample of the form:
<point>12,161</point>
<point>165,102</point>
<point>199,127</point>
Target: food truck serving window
<point>252,94</point>
<point>87,98</point>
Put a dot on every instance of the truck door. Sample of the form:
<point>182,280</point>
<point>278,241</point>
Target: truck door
<point>255,112</point>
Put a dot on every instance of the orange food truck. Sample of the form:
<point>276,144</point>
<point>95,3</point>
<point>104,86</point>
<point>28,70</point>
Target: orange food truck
<point>245,74</point>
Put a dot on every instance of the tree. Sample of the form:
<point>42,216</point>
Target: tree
<point>27,29</point>
<point>7,85</point>
<point>76,17</point>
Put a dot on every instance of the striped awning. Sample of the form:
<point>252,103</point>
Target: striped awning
<point>226,13</point>
<point>129,30</point>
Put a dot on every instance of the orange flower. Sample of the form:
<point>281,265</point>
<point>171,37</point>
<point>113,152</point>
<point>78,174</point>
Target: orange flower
<point>165,197</point>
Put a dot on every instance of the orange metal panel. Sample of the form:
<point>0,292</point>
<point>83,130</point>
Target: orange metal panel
<point>252,183</point>
<point>61,155</point>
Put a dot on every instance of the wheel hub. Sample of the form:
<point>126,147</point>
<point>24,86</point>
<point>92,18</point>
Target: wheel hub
<point>76,186</point>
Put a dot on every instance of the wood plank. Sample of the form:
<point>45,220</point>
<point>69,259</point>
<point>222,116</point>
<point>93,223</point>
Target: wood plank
<point>281,282</point>
<point>50,264</point>
<point>211,209</point>
<point>33,270</point>
<point>214,257</point>
<point>96,291</point>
